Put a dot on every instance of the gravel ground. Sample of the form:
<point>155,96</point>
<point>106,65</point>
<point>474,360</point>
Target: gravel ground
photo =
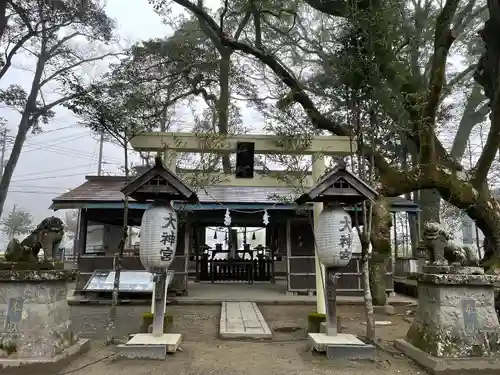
<point>203,353</point>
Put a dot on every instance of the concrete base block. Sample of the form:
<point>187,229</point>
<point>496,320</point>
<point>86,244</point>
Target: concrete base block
<point>43,366</point>
<point>341,346</point>
<point>435,365</point>
<point>147,346</point>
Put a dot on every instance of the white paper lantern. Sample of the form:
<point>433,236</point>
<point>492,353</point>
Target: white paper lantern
<point>159,227</point>
<point>334,236</point>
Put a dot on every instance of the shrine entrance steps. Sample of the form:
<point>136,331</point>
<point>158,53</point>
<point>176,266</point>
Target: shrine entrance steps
<point>243,321</point>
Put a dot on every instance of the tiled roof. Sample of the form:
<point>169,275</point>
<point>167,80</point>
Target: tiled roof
<point>107,189</point>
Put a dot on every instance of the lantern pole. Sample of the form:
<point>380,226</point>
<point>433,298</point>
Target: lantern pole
<point>159,239</point>
<point>333,245</point>
<point>331,301</point>
<point>318,169</point>
<point>160,295</point>
<point>330,288</point>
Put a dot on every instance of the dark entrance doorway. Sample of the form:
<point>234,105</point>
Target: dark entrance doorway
<point>235,255</point>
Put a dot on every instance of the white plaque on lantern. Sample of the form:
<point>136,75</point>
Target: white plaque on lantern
<point>158,237</point>
<point>334,237</point>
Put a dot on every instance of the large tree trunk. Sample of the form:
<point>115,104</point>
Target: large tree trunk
<point>486,214</point>
<point>15,154</point>
<point>367,290</point>
<point>3,17</point>
<point>223,103</point>
<point>429,204</point>
<point>27,120</point>
<point>380,238</point>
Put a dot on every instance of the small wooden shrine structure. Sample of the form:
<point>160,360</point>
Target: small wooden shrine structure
<point>288,250</point>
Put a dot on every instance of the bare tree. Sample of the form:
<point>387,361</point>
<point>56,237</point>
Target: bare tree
<point>58,26</point>
<point>417,101</point>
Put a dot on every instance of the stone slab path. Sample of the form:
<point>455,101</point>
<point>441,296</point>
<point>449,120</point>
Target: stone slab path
<point>243,320</point>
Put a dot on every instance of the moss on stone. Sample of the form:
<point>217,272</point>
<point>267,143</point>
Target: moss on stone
<point>30,266</point>
<point>37,275</point>
<point>147,320</point>
<point>8,347</point>
<point>444,344</point>
<point>314,321</point>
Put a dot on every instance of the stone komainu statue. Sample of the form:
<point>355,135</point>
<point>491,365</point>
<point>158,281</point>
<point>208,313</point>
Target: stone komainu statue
<point>47,237</point>
<point>438,247</point>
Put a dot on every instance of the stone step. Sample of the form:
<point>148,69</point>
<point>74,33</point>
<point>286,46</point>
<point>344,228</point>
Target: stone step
<point>243,320</point>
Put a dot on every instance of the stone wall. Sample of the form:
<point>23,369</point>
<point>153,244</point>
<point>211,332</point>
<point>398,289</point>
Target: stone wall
<point>34,314</point>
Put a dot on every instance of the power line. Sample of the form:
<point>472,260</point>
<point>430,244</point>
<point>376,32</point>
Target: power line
<point>36,192</point>
<point>64,151</point>
<point>30,142</point>
<point>60,141</point>
<point>69,152</point>
<point>52,171</point>
<point>47,178</point>
<point>39,186</point>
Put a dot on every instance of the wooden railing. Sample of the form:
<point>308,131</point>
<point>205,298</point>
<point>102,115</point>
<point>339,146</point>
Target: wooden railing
<point>242,270</point>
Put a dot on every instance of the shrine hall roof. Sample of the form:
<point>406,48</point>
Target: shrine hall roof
<point>106,189</point>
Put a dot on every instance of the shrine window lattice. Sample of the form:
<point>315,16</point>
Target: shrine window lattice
<point>156,181</point>
<point>341,184</point>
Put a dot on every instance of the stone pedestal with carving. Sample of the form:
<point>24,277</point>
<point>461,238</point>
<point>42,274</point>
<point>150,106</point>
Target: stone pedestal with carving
<point>35,324</point>
<point>455,326</point>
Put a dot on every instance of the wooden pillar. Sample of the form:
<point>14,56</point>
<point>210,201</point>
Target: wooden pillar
<point>272,244</point>
<point>233,243</point>
<point>288,244</point>
<point>318,169</point>
<point>187,251</point>
<point>82,232</point>
<point>331,301</point>
<point>201,234</point>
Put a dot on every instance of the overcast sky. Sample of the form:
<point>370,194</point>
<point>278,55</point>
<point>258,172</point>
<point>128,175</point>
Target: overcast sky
<point>61,157</point>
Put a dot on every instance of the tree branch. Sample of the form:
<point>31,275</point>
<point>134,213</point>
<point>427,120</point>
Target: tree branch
<point>336,8</point>
<point>77,64</point>
<point>443,40</point>
<point>297,92</point>
<point>471,116</point>
<point>60,42</point>
<point>242,25</point>
<point>44,109</point>
<point>487,76</point>
<point>14,50</point>
<point>457,80</point>
<point>490,149</point>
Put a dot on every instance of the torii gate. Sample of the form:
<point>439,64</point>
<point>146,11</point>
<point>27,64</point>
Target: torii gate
<point>171,143</point>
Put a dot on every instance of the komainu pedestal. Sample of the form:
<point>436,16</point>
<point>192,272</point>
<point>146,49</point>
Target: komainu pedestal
<point>35,322</point>
<point>455,325</point>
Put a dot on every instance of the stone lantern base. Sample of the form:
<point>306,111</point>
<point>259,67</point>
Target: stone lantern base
<point>455,327</point>
<point>35,325</point>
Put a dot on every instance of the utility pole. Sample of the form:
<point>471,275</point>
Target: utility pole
<point>2,157</point>
<point>101,142</point>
